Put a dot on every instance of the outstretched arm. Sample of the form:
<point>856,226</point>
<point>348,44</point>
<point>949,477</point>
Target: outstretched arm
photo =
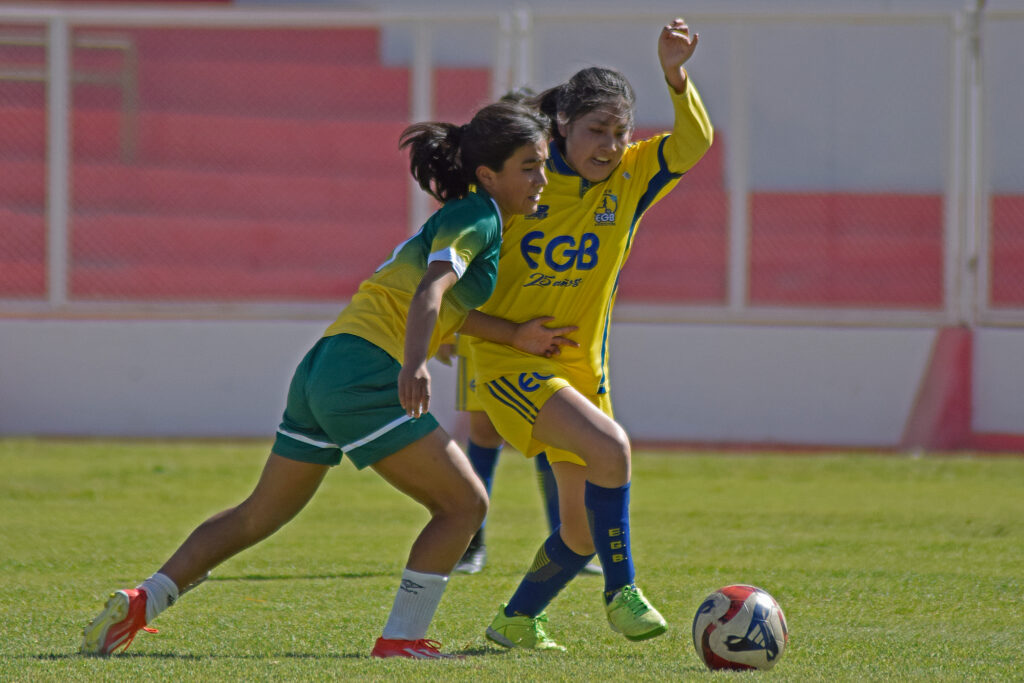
<point>532,336</point>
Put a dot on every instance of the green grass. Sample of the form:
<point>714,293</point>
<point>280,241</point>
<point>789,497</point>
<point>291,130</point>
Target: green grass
<point>888,567</point>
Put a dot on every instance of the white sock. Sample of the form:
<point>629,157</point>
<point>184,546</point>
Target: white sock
<point>417,599</point>
<point>161,593</point>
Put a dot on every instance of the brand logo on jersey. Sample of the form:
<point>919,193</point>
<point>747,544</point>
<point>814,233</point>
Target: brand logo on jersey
<point>528,380</point>
<point>606,209</point>
<point>561,252</point>
<point>540,214</point>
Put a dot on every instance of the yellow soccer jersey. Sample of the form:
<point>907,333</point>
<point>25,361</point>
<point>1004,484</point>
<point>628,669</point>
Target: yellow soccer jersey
<point>564,260</point>
<point>466,232</point>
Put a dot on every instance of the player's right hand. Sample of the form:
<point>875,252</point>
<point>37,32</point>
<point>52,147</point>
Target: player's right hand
<point>414,390</point>
<point>533,336</point>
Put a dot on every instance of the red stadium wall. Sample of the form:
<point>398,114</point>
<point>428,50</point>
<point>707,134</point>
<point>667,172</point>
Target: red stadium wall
<point>264,166</point>
<point>251,144</point>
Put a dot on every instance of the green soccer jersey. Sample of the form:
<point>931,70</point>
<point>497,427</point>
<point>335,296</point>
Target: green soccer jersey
<point>464,232</point>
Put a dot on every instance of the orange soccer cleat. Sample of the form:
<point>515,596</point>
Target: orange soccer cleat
<point>414,649</point>
<point>122,617</point>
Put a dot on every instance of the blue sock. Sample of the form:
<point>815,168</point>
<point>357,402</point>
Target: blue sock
<point>554,566</point>
<point>483,461</point>
<point>548,489</point>
<point>608,514</point>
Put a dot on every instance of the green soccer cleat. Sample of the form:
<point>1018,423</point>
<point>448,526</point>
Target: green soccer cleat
<point>520,631</point>
<point>630,614</point>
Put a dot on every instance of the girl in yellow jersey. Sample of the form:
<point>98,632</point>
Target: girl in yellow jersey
<point>565,259</point>
<point>363,390</point>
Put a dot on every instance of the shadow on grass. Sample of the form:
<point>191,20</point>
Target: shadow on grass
<point>183,656</point>
<point>300,577</point>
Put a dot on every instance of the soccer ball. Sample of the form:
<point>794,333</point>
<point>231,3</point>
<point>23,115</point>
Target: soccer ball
<point>739,627</point>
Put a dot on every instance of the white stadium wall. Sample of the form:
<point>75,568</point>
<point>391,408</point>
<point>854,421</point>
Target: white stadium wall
<point>697,384</point>
<point>899,375</point>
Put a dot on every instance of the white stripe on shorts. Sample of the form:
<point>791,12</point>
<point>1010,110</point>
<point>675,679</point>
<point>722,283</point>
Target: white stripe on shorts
<point>306,439</point>
<point>380,432</point>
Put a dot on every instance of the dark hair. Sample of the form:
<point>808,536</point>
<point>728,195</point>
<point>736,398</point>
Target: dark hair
<point>524,94</point>
<point>443,157</point>
<point>589,89</point>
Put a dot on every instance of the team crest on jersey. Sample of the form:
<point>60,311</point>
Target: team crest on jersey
<point>606,209</point>
<point>540,214</point>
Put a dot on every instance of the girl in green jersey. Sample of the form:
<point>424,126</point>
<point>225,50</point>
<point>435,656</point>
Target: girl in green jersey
<point>363,390</point>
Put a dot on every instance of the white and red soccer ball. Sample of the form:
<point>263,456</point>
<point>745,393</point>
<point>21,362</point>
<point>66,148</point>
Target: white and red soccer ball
<point>740,627</point>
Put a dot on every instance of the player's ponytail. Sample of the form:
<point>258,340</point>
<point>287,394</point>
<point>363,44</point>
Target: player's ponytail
<point>434,158</point>
<point>443,157</point>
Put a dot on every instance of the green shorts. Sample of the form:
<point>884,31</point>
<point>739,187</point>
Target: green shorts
<point>343,399</point>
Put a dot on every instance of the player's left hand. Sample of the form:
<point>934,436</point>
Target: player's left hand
<point>676,45</point>
<point>533,336</point>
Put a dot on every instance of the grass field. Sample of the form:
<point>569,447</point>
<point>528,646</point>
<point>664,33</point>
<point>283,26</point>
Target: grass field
<point>888,567</point>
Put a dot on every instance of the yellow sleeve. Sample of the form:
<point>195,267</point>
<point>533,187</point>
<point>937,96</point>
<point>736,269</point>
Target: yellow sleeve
<point>692,133</point>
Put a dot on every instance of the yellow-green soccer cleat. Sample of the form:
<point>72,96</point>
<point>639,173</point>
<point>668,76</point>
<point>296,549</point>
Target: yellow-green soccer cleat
<point>630,614</point>
<point>520,631</point>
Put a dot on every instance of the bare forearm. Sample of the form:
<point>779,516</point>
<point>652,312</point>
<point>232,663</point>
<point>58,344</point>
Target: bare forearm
<point>532,336</point>
<point>489,327</point>
<point>677,78</point>
<point>423,312</point>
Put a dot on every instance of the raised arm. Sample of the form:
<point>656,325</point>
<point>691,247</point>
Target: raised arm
<point>692,132</point>
<point>675,47</point>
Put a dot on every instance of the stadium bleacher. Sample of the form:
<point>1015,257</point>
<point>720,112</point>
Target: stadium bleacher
<point>265,165</point>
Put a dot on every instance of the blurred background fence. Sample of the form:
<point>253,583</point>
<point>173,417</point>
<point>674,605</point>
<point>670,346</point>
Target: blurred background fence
<point>244,161</point>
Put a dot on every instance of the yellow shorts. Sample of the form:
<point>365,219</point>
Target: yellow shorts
<point>513,402</point>
<point>465,382</point>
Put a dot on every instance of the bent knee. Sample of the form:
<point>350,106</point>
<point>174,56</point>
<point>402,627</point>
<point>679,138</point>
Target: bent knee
<point>475,507</point>
<point>470,504</point>
<point>614,446</point>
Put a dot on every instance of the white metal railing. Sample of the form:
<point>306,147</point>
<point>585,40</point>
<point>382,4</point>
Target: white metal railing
<point>965,272</point>
<point>59,21</point>
<point>125,77</point>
